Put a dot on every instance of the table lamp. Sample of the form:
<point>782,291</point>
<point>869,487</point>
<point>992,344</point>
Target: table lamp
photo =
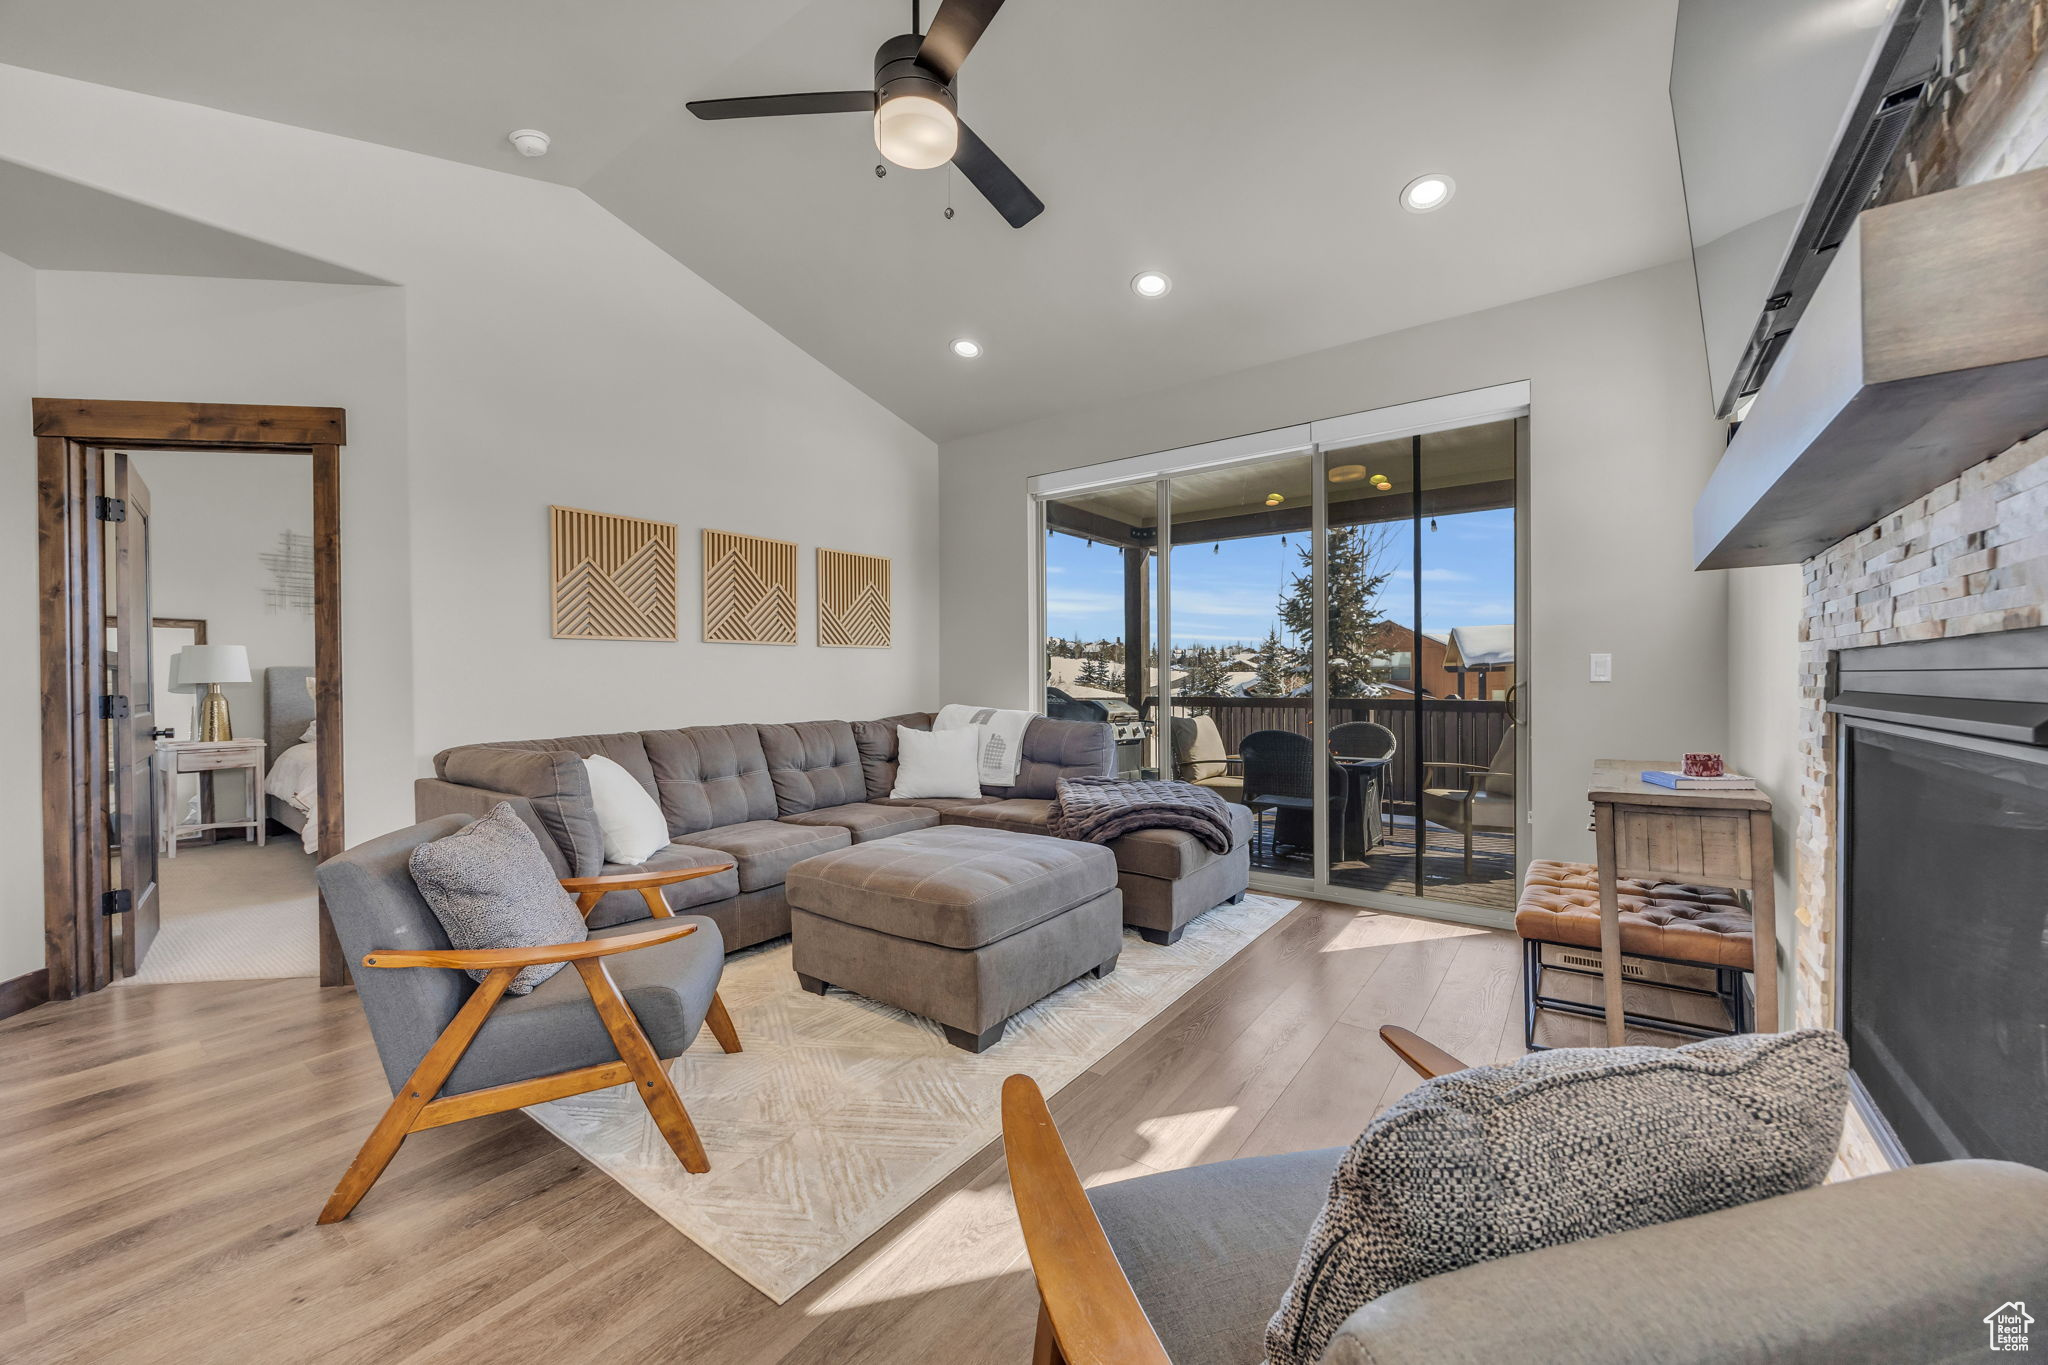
<point>202,669</point>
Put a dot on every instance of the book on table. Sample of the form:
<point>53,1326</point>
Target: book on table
<point>1677,781</point>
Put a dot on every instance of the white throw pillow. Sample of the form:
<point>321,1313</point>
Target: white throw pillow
<point>634,827</point>
<point>937,763</point>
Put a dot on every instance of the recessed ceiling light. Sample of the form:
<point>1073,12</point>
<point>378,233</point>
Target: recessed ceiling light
<point>1347,473</point>
<point>966,348</point>
<point>1427,192</point>
<point>1150,285</point>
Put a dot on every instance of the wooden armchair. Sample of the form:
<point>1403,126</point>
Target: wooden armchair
<point>433,1030</point>
<point>1088,1313</point>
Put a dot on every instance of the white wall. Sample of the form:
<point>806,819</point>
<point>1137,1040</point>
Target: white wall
<point>1621,440</point>
<point>538,351</point>
<point>213,515</point>
<point>21,808</point>
<point>1763,717</point>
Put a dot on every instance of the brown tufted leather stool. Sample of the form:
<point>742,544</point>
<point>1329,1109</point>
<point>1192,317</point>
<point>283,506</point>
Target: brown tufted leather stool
<point>1693,926</point>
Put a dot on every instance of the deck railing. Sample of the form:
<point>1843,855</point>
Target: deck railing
<point>1448,731</point>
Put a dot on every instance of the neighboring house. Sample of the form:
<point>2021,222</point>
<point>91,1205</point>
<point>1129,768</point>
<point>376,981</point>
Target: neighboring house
<point>1393,660</point>
<point>1481,661</point>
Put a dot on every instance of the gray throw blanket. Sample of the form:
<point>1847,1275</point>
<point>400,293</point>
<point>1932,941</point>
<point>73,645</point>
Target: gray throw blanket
<point>1096,810</point>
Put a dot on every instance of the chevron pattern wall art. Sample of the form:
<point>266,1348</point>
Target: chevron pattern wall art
<point>853,600</point>
<point>749,590</point>
<point>614,577</point>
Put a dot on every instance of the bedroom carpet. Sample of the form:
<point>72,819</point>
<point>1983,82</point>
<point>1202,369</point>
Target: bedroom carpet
<point>235,912</point>
<point>842,1111</point>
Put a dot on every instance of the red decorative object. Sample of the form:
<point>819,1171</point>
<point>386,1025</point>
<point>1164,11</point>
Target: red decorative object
<point>1704,765</point>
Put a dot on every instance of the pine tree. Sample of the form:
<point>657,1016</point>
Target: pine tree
<point>1271,668</point>
<point>1355,578</point>
<point>1092,674</point>
<point>1208,674</point>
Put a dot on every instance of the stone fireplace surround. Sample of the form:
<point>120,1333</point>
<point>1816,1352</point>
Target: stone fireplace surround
<point>1970,557</point>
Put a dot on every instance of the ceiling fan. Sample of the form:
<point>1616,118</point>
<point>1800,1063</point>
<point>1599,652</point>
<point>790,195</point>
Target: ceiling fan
<point>917,124</point>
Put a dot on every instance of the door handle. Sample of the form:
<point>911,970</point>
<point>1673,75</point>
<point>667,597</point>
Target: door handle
<point>161,734</point>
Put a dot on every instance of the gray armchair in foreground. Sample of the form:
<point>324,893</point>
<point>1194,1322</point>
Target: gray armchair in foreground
<point>455,1049</point>
<point>1185,1267</point>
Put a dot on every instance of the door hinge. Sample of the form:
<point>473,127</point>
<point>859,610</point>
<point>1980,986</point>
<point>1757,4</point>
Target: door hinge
<point>117,902</point>
<point>110,509</point>
<point>113,708</point>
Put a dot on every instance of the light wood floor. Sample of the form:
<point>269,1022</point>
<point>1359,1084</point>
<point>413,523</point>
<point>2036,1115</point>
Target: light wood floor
<point>163,1150</point>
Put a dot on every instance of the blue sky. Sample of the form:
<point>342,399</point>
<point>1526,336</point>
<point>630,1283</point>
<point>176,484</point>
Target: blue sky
<point>1231,592</point>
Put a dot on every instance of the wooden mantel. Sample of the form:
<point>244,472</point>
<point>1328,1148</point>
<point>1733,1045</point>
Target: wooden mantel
<point>1924,351</point>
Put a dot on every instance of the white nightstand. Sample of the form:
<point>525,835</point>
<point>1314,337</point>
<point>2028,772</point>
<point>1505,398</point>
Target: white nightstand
<point>204,757</point>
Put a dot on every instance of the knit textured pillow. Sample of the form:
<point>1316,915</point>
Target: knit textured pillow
<point>1557,1147</point>
<point>491,887</point>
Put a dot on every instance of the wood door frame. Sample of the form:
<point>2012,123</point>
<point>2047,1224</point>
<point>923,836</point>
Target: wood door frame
<point>70,433</point>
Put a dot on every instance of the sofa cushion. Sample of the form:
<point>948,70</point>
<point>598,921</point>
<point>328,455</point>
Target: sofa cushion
<point>953,886</point>
<point>710,776</point>
<point>1054,749</point>
<point>1556,1147</point>
<point>1210,1249</point>
<point>553,782</point>
<point>876,742</point>
<point>865,821</point>
<point>941,804</point>
<point>668,986</point>
<point>491,887</point>
<point>623,748</point>
<point>1171,854</point>
<point>1024,815</point>
<point>766,849</point>
<point>813,763</point>
<point>625,907</point>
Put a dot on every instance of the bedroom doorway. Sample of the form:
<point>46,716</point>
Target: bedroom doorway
<point>192,689</point>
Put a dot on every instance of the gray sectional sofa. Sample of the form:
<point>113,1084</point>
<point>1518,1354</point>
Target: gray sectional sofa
<point>766,797</point>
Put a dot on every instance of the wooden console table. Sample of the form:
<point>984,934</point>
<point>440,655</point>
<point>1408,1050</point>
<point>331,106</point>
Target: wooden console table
<point>1710,838</point>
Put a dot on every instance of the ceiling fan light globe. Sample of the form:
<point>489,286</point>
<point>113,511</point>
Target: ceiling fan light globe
<point>916,132</point>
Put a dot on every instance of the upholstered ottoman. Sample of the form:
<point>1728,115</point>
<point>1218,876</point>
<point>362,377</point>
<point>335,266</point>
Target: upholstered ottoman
<point>1689,926</point>
<point>963,926</point>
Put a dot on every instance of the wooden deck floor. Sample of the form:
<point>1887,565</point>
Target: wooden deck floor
<point>1391,866</point>
<point>163,1151</point>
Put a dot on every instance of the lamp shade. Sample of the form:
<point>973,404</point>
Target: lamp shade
<point>195,667</point>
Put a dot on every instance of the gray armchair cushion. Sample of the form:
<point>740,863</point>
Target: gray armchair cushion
<point>1556,1147</point>
<point>553,781</point>
<point>629,907</point>
<point>876,742</point>
<point>865,821</point>
<point>491,887</point>
<point>765,850</point>
<point>813,763</point>
<point>376,906</point>
<point>1210,1249</point>
<point>710,776</point>
<point>667,986</point>
<point>1899,1266</point>
<point>1054,749</point>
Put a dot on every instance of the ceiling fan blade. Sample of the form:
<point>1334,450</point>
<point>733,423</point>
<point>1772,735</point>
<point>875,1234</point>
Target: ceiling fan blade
<point>998,183</point>
<point>953,33</point>
<point>768,106</point>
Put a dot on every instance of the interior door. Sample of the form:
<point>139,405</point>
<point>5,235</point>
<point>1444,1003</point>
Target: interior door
<point>132,737</point>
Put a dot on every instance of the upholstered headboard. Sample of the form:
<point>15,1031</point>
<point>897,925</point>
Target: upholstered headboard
<point>287,708</point>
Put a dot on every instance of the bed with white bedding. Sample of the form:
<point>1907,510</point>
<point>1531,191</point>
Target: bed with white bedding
<point>292,790</point>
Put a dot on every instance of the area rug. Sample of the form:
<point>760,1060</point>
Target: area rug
<point>842,1111</point>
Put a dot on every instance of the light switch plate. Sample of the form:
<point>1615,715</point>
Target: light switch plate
<point>1603,668</point>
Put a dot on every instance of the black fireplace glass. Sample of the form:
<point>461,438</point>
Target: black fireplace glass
<point>1945,935</point>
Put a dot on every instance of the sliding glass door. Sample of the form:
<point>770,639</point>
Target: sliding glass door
<point>1338,632</point>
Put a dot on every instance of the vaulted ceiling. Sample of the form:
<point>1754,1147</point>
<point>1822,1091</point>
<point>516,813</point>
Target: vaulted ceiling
<point>1254,152</point>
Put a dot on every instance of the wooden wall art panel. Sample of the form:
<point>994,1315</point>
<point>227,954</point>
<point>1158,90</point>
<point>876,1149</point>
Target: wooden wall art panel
<point>749,590</point>
<point>853,600</point>
<point>614,577</point>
